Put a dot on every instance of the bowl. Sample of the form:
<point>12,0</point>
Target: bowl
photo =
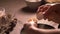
<point>33,4</point>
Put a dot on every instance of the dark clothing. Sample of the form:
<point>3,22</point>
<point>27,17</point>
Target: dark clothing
<point>59,26</point>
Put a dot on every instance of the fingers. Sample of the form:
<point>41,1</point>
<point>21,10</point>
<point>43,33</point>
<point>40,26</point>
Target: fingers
<point>32,19</point>
<point>47,10</point>
<point>43,8</point>
<point>33,22</point>
<point>40,9</point>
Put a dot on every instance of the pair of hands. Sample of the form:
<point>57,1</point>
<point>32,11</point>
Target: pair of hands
<point>31,26</point>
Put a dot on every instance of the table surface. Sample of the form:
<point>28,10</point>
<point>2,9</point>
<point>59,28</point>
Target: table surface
<point>15,7</point>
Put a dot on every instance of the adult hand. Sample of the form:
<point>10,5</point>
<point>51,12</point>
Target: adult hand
<point>29,27</point>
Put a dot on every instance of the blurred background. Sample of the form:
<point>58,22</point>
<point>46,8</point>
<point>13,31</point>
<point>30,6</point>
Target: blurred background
<point>15,7</point>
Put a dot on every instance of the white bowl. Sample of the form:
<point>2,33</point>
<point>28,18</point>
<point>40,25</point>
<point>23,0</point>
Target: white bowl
<point>33,4</point>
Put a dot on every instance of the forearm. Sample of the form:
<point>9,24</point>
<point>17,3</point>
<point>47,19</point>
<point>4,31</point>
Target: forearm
<point>47,31</point>
<point>50,31</point>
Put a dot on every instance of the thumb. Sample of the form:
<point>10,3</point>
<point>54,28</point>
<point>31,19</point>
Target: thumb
<point>33,22</point>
